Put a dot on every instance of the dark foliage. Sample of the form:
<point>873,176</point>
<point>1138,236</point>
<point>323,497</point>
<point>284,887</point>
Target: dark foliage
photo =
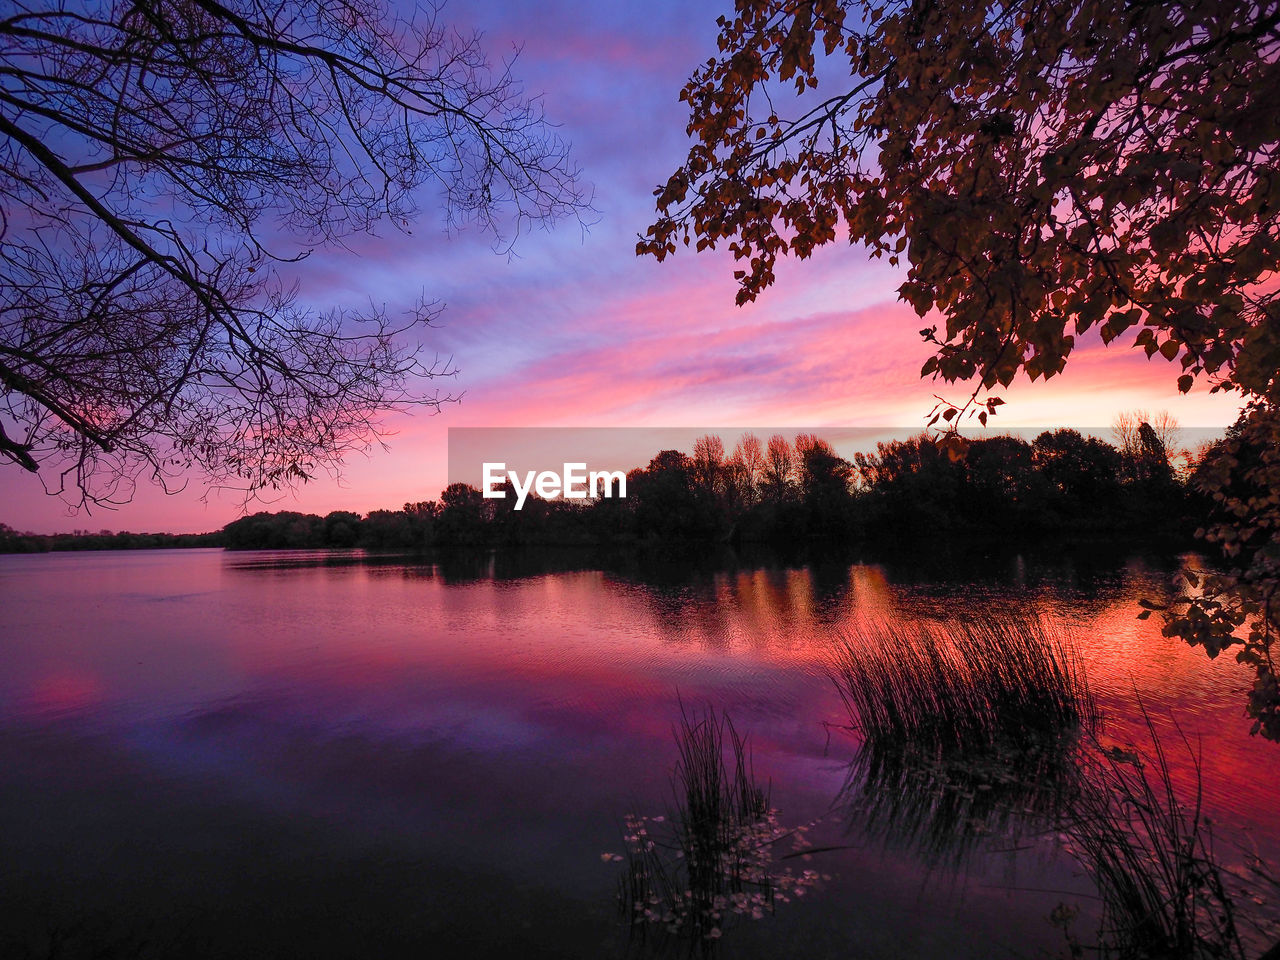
<point>11,541</point>
<point>1062,484</point>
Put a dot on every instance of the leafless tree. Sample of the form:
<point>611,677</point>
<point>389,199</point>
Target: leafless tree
<point>779,466</point>
<point>1125,429</point>
<point>708,462</point>
<point>751,452</point>
<point>163,161</point>
<point>1164,427</point>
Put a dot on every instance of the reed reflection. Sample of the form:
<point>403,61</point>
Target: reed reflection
<point>948,810</point>
<point>969,733</point>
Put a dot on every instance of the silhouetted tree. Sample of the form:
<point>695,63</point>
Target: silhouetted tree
<point>1146,444</point>
<point>751,453</point>
<point>160,160</point>
<point>341,529</point>
<point>824,481</point>
<point>1081,474</point>
<point>1041,170</point>
<point>1236,606</point>
<point>999,478</point>
<point>911,488</point>
<point>11,541</point>
<point>1063,482</point>
<point>394,530</point>
<point>1151,458</point>
<point>463,514</point>
<point>285,530</point>
<point>707,465</point>
<point>668,505</point>
<point>739,491</point>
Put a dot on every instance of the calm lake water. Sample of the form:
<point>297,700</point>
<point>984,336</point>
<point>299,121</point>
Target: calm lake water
<point>212,754</point>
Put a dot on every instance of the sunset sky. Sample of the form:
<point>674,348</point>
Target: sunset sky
<point>575,330</point>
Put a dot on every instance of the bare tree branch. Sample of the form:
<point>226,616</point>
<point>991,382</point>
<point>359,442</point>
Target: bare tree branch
<point>160,159</point>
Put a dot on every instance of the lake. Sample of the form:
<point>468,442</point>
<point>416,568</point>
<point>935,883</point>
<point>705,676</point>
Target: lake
<point>220,754</point>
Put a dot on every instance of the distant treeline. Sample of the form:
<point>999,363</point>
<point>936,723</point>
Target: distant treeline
<point>11,541</point>
<point>1062,482</point>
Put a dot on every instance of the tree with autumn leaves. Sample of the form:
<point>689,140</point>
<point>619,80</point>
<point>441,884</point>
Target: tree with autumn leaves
<point>1042,172</point>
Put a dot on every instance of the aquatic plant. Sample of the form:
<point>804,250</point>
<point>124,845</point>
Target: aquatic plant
<point>968,731</point>
<point>717,856</point>
<point>1150,851</point>
<point>971,684</point>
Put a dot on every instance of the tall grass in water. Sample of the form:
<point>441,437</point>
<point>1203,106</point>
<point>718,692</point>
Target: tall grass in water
<point>971,685</point>
<point>1151,854</point>
<point>968,730</point>
<point>722,803</point>
<point>712,858</point>
<point>1000,702</point>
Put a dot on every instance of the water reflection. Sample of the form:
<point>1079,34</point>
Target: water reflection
<point>949,810</point>
<point>426,756</point>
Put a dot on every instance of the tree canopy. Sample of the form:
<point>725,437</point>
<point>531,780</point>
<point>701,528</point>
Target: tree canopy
<point>1041,169</point>
<point>160,162</point>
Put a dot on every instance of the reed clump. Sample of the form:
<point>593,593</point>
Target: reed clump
<point>969,731</point>
<point>712,858</point>
<point>1149,849</point>
<point>971,684</point>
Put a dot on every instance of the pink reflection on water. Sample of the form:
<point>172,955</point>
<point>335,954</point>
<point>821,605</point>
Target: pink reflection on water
<point>64,691</point>
<point>584,664</point>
